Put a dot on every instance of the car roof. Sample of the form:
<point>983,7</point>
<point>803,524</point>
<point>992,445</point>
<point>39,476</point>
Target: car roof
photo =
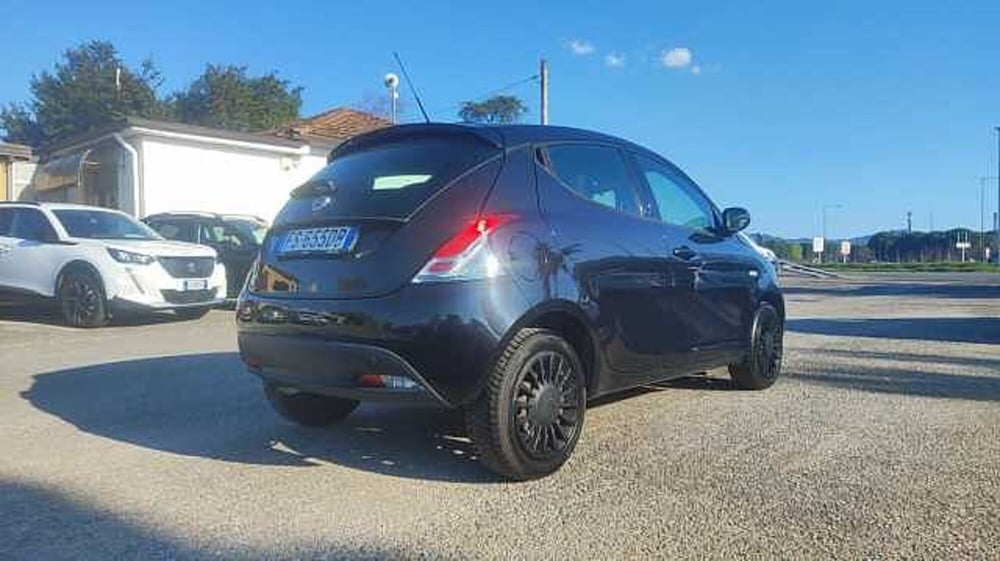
<point>185,215</point>
<point>191,214</point>
<point>501,136</point>
<point>58,206</point>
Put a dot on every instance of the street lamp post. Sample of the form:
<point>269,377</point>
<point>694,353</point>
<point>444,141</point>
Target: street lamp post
<point>998,195</point>
<point>983,182</point>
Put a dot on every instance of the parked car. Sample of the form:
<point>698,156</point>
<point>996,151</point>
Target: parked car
<point>95,261</point>
<point>236,238</point>
<point>514,271</point>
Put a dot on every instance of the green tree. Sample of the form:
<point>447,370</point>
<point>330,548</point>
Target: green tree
<point>226,97</point>
<point>88,89</point>
<point>795,252</point>
<point>499,109</point>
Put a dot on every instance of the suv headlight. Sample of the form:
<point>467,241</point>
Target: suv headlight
<point>130,258</point>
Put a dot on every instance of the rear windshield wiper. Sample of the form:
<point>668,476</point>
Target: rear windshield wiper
<point>314,188</point>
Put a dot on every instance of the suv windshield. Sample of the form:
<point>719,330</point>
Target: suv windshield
<point>392,180</point>
<point>103,225</point>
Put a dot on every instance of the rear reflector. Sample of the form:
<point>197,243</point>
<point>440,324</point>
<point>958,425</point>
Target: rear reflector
<point>383,381</point>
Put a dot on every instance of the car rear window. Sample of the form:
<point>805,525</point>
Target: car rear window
<point>390,180</point>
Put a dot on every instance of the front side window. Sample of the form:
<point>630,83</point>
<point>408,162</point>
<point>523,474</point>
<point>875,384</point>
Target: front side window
<point>221,234</point>
<point>6,220</point>
<point>248,229</point>
<point>595,172</point>
<point>31,224</point>
<point>182,231</point>
<point>677,200</point>
<point>103,225</point>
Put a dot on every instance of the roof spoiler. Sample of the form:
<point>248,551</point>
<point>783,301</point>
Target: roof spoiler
<point>393,133</point>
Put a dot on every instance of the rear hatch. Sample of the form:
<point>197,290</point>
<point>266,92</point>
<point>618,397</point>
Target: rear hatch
<point>365,224</point>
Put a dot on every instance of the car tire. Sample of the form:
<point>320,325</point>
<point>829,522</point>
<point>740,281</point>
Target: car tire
<point>81,299</point>
<point>761,366</point>
<point>308,409</point>
<point>192,313</point>
<point>529,417</point>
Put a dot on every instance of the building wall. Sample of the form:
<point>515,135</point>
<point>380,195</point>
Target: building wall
<point>185,175</point>
<point>22,174</point>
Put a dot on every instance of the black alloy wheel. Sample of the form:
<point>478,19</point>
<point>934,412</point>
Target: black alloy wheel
<point>545,405</point>
<point>762,364</point>
<point>81,298</point>
<point>530,415</point>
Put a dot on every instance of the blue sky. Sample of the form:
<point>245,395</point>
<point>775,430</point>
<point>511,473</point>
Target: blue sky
<point>781,107</point>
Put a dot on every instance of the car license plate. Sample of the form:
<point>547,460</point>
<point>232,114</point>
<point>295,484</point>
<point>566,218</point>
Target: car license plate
<point>196,284</point>
<point>320,240</point>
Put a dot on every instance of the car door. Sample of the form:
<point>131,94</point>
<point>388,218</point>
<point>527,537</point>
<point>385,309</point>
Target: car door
<point>589,197</point>
<point>31,252</point>
<point>711,278</point>
<point>235,251</point>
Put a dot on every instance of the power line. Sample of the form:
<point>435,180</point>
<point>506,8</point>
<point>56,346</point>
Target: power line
<point>510,86</point>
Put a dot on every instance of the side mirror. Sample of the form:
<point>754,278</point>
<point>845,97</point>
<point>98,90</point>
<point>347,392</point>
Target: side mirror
<point>735,219</point>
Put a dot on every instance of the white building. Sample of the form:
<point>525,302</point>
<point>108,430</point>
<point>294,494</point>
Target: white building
<point>144,167</point>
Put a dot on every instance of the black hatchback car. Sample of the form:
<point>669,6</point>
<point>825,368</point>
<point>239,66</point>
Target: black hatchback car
<point>514,271</point>
<point>236,238</point>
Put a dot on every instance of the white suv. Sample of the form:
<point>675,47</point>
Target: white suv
<point>95,260</point>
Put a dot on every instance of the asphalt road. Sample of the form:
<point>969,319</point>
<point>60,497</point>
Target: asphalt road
<point>148,441</point>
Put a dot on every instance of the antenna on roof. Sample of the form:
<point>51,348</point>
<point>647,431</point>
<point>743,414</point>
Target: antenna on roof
<point>413,89</point>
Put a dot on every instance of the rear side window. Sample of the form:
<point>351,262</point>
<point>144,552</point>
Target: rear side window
<point>31,224</point>
<point>595,172</point>
<point>390,180</point>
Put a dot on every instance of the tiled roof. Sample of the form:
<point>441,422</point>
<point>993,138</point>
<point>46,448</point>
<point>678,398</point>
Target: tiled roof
<point>335,125</point>
<point>15,151</point>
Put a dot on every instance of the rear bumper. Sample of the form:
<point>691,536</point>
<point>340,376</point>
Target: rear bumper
<point>443,336</point>
<point>333,368</point>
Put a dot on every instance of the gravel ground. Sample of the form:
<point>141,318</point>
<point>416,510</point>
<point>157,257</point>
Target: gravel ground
<point>882,440</point>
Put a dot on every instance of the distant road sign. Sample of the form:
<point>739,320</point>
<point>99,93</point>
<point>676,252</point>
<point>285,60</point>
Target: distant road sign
<point>817,245</point>
<point>845,248</point>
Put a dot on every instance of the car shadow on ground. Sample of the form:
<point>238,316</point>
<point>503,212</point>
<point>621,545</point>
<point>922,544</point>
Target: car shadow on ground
<point>950,329</point>
<point>896,380</point>
<point>206,405</point>
<point>42,523</point>
<point>49,314</point>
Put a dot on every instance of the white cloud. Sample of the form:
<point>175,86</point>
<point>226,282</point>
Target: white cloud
<point>696,70</point>
<point>580,48</point>
<point>614,60</point>
<point>678,57</point>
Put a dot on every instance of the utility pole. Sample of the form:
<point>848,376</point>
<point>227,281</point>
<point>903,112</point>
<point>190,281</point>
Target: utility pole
<point>543,73</point>
<point>998,194</point>
<point>909,222</point>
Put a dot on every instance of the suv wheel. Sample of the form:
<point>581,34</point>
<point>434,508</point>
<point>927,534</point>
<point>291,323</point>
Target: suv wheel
<point>530,415</point>
<point>81,299</point>
<point>762,365</point>
<point>308,409</point>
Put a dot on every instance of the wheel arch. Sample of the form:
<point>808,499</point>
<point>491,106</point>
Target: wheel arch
<point>79,265</point>
<point>570,322</point>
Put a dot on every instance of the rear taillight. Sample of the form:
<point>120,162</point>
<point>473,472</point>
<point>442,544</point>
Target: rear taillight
<point>466,256</point>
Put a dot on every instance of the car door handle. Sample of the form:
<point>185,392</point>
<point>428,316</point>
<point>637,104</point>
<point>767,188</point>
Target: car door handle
<point>684,252</point>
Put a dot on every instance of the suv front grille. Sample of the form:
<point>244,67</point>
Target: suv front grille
<point>188,267</point>
<point>188,296</point>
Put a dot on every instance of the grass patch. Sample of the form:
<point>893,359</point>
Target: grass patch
<point>934,267</point>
